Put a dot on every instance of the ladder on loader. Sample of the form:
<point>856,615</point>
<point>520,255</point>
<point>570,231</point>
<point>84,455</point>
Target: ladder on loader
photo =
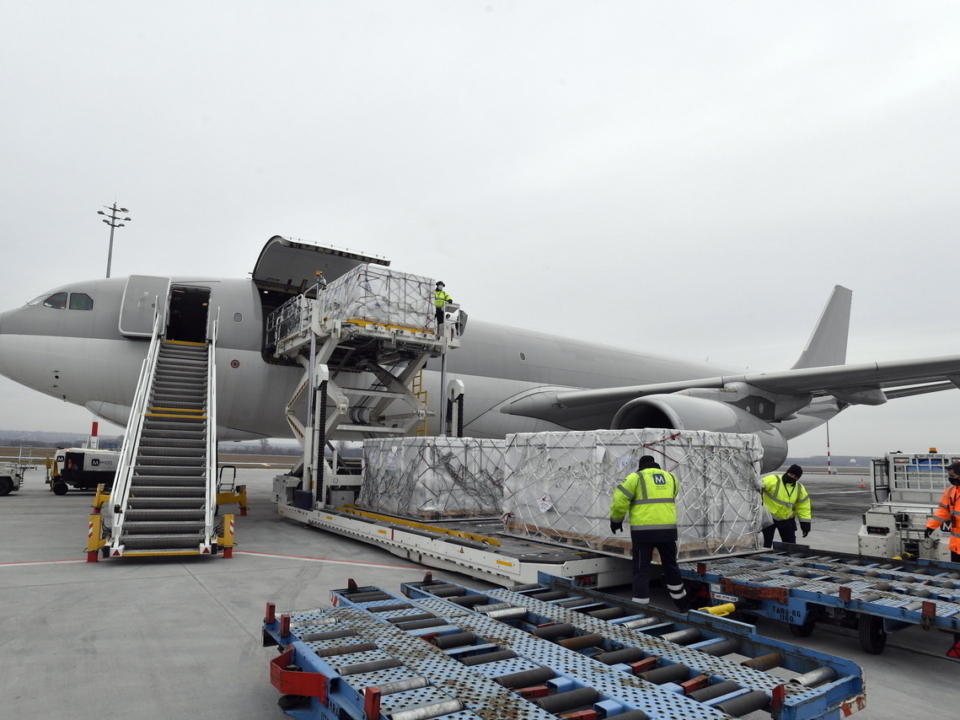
<point>358,370</point>
<point>163,500</point>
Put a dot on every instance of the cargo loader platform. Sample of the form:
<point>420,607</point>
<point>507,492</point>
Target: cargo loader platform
<point>539,651</point>
<point>802,587</point>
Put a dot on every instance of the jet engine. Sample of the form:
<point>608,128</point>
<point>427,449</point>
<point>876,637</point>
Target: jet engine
<point>681,412</point>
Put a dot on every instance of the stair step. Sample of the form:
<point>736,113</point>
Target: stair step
<point>191,454</point>
<point>156,527</point>
<point>193,424</point>
<point>165,503</point>
<point>164,540</point>
<point>164,514</point>
<point>170,374</point>
<point>169,442</point>
<point>171,433</point>
<point>181,470</point>
<point>167,491</point>
<point>168,481</point>
<point>179,460</point>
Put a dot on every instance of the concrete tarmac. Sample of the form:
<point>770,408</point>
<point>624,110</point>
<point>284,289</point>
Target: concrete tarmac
<point>178,638</point>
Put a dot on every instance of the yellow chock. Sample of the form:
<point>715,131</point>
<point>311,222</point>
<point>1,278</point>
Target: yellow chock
<point>720,610</point>
<point>226,541</point>
<point>95,539</point>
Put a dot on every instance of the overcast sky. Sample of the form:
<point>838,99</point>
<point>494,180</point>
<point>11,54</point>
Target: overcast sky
<point>687,177</point>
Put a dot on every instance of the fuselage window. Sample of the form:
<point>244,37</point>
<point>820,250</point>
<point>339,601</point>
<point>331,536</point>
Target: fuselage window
<point>57,300</point>
<point>238,317</point>
<point>81,301</point>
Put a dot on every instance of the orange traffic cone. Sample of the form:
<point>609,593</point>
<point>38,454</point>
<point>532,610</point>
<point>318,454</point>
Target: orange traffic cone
<point>863,485</point>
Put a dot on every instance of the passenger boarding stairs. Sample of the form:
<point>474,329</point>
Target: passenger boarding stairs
<point>164,498</point>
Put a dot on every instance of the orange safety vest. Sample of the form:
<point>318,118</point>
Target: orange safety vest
<point>949,512</point>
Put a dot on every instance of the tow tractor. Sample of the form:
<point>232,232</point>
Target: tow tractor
<point>82,469</point>
<point>11,477</point>
<point>907,488</point>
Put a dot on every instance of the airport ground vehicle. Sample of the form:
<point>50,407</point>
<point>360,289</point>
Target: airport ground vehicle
<point>907,488</point>
<point>11,477</point>
<point>82,469</point>
<point>539,651</point>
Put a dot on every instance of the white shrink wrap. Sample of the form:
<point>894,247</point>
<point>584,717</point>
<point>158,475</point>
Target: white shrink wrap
<point>430,478</point>
<point>559,486</point>
<point>382,296</point>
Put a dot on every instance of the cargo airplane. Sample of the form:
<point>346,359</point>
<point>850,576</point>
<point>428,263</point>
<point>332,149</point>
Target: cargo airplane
<point>85,342</point>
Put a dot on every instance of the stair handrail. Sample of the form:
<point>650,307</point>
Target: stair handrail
<point>126,464</point>
<point>211,414</point>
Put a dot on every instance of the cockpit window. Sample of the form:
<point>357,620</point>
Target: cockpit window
<point>81,301</point>
<point>57,300</point>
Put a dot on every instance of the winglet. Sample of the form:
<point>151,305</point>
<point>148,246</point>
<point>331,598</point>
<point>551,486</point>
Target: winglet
<point>828,342</point>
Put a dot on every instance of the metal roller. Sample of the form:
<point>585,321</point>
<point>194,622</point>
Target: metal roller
<point>714,691</point>
<point>682,637</point>
<point>745,704</point>
<point>488,657</point>
<point>869,597</point>
<point>315,621</point>
<point>367,667</point>
<point>411,618</point>
<point>528,586</point>
<point>419,624</point>
<point>552,595</point>
<point>512,613</point>
<point>581,642</point>
<point>795,583</point>
<point>552,632</point>
<point>493,606</point>
<point>561,702</point>
<point>724,647</point>
<point>764,662</point>
<point>921,593</point>
<point>626,655</point>
<point>882,586</point>
<point>446,590</point>
<point>414,683</point>
<point>425,712</point>
<point>346,649</point>
<point>526,678</point>
<point>469,600</point>
<point>666,673</point>
<point>947,585</point>
<point>607,613</point>
<point>331,635</point>
<point>368,596</point>
<point>815,677</point>
<point>445,642</point>
<point>575,602</point>
<point>640,623</point>
<point>390,608</point>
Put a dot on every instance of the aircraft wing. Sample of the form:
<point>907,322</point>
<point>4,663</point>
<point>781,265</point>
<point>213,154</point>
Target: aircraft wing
<point>862,384</point>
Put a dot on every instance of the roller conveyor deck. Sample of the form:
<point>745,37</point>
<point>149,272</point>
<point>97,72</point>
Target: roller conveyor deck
<point>453,652</point>
<point>801,587</point>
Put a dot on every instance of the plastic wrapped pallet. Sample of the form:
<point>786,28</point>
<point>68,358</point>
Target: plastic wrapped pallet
<point>379,295</point>
<point>559,486</point>
<point>431,478</point>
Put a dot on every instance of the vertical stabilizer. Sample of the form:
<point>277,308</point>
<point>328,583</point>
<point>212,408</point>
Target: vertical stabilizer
<point>828,341</point>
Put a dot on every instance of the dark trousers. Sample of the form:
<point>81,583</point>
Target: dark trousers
<point>787,528</point>
<point>954,557</point>
<point>642,556</point>
<point>439,316</point>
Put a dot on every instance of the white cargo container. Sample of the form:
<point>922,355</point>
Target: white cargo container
<point>559,486</point>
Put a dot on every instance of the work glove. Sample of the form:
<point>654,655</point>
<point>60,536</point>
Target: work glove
<point>616,526</point>
<point>804,528</point>
<point>928,532</point>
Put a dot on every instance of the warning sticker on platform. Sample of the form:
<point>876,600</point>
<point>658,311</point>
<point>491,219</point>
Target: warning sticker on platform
<point>717,595</point>
<point>543,502</point>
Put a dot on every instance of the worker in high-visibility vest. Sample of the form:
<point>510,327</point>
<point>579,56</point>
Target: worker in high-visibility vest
<point>440,298</point>
<point>947,514</point>
<point>649,495</point>
<point>787,499</point>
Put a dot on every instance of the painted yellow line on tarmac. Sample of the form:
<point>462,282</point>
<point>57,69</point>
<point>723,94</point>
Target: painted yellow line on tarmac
<point>22,563</point>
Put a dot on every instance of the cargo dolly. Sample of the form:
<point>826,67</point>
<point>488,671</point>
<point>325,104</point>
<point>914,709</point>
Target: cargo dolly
<point>543,650</point>
<point>801,587</point>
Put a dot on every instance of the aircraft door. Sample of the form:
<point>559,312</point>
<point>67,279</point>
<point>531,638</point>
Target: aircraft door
<point>187,319</point>
<point>140,297</point>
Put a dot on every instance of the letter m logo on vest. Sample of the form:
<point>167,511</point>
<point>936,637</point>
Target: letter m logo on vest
<point>659,479</point>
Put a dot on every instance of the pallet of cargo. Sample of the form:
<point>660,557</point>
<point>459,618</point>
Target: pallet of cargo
<point>802,587</point>
<point>549,649</point>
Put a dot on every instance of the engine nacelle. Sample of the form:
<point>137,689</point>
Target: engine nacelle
<point>681,412</point>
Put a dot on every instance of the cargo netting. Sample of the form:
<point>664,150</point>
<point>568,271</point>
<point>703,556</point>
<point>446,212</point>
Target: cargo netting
<point>432,478</point>
<point>559,486</point>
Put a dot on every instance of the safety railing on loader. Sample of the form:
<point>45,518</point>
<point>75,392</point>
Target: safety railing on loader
<point>131,439</point>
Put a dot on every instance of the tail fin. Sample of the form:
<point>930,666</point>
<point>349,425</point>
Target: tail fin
<point>828,342</point>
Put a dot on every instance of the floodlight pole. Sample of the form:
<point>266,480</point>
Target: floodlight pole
<point>112,222</point>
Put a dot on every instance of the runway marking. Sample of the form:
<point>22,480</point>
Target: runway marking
<point>328,560</point>
<point>39,562</point>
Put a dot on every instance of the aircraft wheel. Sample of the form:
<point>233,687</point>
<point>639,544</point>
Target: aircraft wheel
<point>6,486</point>
<point>873,638</point>
<point>60,488</point>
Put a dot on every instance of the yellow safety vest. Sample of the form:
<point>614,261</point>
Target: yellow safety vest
<point>650,497</point>
<point>782,502</point>
<point>441,298</point>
